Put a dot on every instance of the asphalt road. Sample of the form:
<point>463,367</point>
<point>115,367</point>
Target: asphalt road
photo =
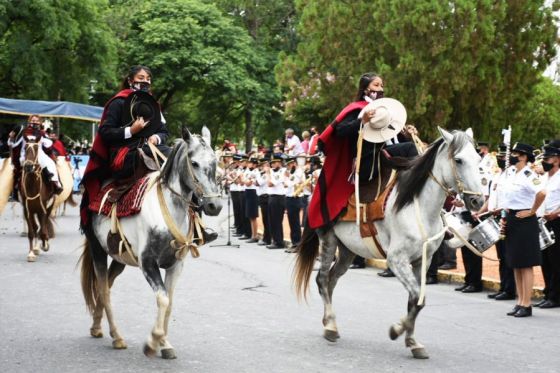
<point>235,311</point>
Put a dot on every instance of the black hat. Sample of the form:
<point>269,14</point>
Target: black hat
<point>254,160</point>
<point>550,151</point>
<point>237,157</point>
<point>244,157</point>
<point>483,143</point>
<point>277,157</point>
<point>525,149</point>
<point>502,148</point>
<point>263,160</point>
<point>227,154</point>
<point>290,160</point>
<point>142,104</point>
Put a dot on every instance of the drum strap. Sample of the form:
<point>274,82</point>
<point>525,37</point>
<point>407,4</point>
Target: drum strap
<point>467,243</point>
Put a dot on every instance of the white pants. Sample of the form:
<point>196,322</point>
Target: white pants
<point>45,162</point>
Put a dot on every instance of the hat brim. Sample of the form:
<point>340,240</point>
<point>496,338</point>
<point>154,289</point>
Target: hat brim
<point>398,120</point>
<point>148,104</point>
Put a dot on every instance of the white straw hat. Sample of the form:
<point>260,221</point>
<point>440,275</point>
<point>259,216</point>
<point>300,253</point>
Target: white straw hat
<point>388,121</point>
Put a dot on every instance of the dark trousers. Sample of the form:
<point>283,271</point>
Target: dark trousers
<point>236,202</point>
<point>304,204</point>
<point>276,207</point>
<point>245,228</point>
<point>263,205</point>
<point>507,280</point>
<point>436,260</point>
<point>473,267</point>
<point>293,207</point>
<point>551,265</point>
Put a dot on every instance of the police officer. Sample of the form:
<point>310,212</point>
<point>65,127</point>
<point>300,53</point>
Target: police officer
<point>262,192</point>
<point>249,181</point>
<point>522,228</point>
<point>234,190</point>
<point>276,201</point>
<point>294,176</point>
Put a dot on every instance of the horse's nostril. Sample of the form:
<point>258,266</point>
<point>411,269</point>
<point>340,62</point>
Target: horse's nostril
<point>212,206</point>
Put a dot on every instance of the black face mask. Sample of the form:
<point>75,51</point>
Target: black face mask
<point>276,168</point>
<point>312,133</point>
<point>547,166</point>
<point>513,160</point>
<point>501,163</point>
<point>374,95</point>
<point>141,86</point>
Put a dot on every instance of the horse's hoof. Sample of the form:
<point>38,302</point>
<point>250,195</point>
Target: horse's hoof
<point>168,353</point>
<point>31,257</point>
<point>331,335</point>
<point>393,334</point>
<point>36,251</point>
<point>46,247</point>
<point>96,333</point>
<point>119,344</point>
<point>148,351</point>
<point>420,353</point>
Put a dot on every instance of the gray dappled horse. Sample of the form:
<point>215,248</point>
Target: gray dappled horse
<point>188,173</point>
<point>412,215</point>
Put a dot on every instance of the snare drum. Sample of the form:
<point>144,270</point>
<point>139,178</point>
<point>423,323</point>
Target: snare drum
<point>485,235</point>
<point>546,236</point>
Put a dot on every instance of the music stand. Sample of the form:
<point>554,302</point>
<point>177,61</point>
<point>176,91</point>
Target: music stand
<point>228,243</point>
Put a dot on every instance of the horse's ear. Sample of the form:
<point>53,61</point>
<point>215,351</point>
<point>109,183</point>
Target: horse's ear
<point>470,133</point>
<point>447,136</point>
<point>206,135</point>
<point>185,133</point>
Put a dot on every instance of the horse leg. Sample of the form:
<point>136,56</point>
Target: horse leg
<point>104,295</point>
<point>328,250</point>
<point>31,229</point>
<point>171,276</point>
<point>411,281</point>
<point>96,331</point>
<point>152,274</point>
<point>44,230</point>
<point>418,350</point>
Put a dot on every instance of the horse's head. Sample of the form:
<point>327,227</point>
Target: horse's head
<point>31,152</point>
<point>461,171</point>
<point>200,162</point>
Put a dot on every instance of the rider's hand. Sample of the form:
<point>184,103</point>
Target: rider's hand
<point>138,125</point>
<point>12,134</point>
<point>154,139</point>
<point>368,115</point>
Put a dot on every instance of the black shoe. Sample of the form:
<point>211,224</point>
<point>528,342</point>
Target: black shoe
<point>244,237</point>
<point>524,312</point>
<point>236,235</point>
<point>472,289</point>
<point>504,296</point>
<point>274,246</point>
<point>447,266</point>
<point>208,235</point>
<point>549,304</point>
<point>385,273</point>
<point>263,243</point>
<point>494,295</point>
<point>253,240</point>
<point>431,280</point>
<point>462,287</point>
<point>514,310</point>
<point>357,266</point>
<point>540,303</point>
<point>291,250</point>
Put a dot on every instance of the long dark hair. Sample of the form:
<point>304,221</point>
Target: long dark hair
<point>365,79</point>
<point>132,72</point>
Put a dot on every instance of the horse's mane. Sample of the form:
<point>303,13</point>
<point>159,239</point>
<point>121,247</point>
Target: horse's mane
<point>411,181</point>
<point>169,166</point>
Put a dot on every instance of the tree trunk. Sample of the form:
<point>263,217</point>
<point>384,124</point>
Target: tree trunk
<point>248,129</point>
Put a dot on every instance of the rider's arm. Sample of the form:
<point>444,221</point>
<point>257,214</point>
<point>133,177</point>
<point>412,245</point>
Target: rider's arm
<point>350,125</point>
<point>46,142</point>
<point>111,130</point>
<point>13,144</point>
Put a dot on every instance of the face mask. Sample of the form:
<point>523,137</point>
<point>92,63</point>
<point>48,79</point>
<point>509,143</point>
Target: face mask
<point>374,95</point>
<point>501,163</point>
<point>513,160</point>
<point>547,166</point>
<point>141,86</point>
<point>312,133</point>
<point>276,168</point>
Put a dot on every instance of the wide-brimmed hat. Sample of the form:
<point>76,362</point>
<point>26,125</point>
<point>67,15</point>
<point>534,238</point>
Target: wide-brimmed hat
<point>142,104</point>
<point>525,149</point>
<point>388,121</point>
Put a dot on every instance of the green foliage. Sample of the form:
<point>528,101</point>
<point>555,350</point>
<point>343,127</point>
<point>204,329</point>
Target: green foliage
<point>459,64</point>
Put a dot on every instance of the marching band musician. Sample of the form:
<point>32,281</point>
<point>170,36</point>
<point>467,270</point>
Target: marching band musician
<point>262,193</point>
<point>294,177</point>
<point>245,222</point>
<point>231,177</point>
<point>551,255</point>
<point>249,181</point>
<point>276,202</point>
<point>522,228</point>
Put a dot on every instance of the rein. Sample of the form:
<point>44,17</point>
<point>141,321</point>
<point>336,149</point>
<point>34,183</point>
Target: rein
<point>37,173</point>
<point>460,184</point>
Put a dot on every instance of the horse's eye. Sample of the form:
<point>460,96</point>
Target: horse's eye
<point>458,161</point>
<point>195,164</point>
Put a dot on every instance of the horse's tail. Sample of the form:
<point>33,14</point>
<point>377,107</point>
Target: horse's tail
<point>307,252</point>
<point>71,201</point>
<point>88,279</point>
<point>50,226</point>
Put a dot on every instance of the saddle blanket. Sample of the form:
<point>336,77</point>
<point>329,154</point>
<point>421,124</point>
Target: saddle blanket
<point>129,204</point>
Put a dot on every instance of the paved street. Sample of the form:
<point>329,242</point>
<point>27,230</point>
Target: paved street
<point>235,311</point>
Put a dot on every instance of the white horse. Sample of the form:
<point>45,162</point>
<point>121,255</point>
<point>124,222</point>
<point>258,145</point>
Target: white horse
<point>412,221</point>
<point>155,238</point>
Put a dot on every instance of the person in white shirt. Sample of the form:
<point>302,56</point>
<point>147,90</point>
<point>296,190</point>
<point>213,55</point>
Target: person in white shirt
<point>522,200</point>
<point>551,255</point>
<point>262,193</point>
<point>294,176</point>
<point>293,145</point>
<point>276,201</point>
<point>249,181</point>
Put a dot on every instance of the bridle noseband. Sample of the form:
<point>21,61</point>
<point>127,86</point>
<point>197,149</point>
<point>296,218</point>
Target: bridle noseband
<point>458,182</point>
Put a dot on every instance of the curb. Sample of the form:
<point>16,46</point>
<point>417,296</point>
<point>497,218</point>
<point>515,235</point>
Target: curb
<point>454,277</point>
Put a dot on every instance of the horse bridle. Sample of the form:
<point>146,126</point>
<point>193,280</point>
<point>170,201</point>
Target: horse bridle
<point>35,148</point>
<point>36,170</point>
<point>460,184</point>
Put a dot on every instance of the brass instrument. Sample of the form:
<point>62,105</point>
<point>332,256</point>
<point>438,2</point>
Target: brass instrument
<point>301,186</point>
